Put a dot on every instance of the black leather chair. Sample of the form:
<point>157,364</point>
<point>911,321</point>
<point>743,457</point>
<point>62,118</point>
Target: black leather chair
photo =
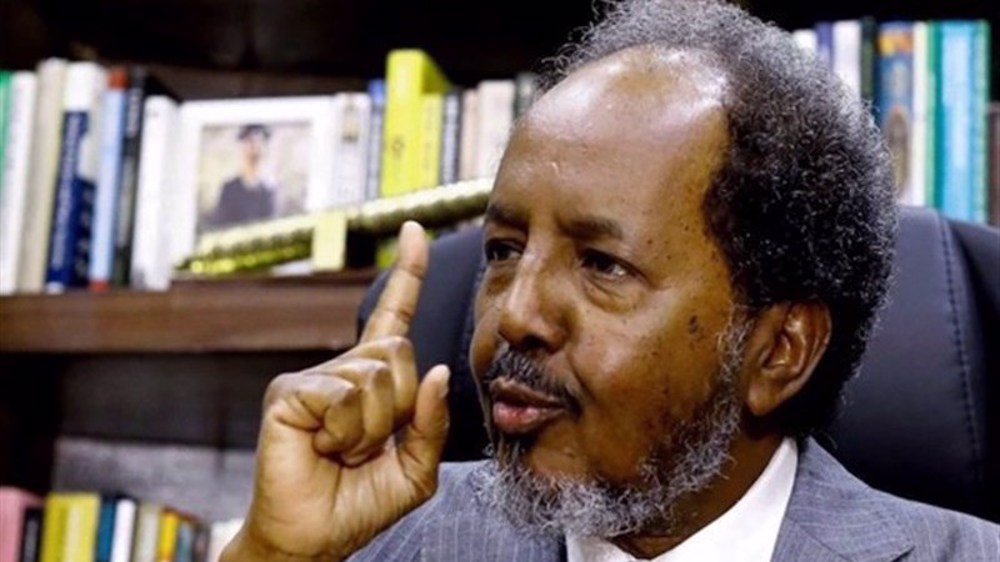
<point>922,418</point>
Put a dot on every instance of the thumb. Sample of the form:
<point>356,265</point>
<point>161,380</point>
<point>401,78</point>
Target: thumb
<point>420,450</point>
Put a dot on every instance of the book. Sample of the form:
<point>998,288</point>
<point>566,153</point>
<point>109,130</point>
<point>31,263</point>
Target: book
<point>42,173</point>
<point>932,102</point>
<point>961,124</point>
<point>824,42</point>
<point>221,533</point>
<point>14,504</point>
<point>150,248</point>
<point>921,154</point>
<point>376,123</point>
<point>31,536</point>
<point>980,97</point>
<point>847,53</point>
<point>410,75</point>
<point>806,40</point>
<point>994,163</point>
<point>147,532</point>
<point>469,136</point>
<point>895,106</point>
<point>69,245</point>
<point>432,116</point>
<point>451,133</point>
<point>352,114</point>
<point>166,543</point>
<point>496,115</point>
<point>869,85</point>
<point>106,198</point>
<point>140,86</point>
<point>69,530</point>
<point>14,195</point>
<point>5,95</point>
<point>124,526</point>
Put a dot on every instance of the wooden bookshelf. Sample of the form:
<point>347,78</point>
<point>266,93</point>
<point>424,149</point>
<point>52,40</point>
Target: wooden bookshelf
<point>247,315</point>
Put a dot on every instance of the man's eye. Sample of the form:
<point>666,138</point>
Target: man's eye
<point>496,250</point>
<point>603,264</point>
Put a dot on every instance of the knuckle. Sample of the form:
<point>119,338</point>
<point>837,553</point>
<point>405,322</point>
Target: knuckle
<point>279,386</point>
<point>399,345</point>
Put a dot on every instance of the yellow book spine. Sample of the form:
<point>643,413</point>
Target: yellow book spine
<point>410,73</point>
<point>82,514</point>
<point>429,157</point>
<point>53,528</point>
<point>167,543</point>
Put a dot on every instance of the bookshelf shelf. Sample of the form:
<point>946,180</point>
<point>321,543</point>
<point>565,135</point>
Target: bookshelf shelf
<point>249,315</point>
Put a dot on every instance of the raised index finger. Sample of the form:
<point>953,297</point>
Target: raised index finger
<point>398,302</point>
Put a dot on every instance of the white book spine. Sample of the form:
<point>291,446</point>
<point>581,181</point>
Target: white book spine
<point>47,127</point>
<point>350,149</point>
<point>918,144</point>
<point>806,40</point>
<point>496,115</point>
<point>469,135</point>
<point>847,53</point>
<point>121,541</point>
<point>221,534</point>
<point>150,247</point>
<point>15,177</point>
<point>102,244</point>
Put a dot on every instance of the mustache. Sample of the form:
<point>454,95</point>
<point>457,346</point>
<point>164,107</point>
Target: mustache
<point>519,367</point>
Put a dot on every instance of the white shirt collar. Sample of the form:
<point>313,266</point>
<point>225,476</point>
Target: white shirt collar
<point>747,532</point>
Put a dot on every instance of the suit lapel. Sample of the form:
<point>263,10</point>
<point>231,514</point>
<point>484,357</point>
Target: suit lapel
<point>834,516</point>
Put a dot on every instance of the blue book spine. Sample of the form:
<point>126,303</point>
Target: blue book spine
<point>895,101</point>
<point>955,123</point>
<point>102,248</point>
<point>376,90</point>
<point>980,125</point>
<point>824,42</point>
<point>69,247</point>
<point>105,530</point>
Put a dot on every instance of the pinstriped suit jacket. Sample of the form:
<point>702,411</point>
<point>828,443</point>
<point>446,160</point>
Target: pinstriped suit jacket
<point>831,517</point>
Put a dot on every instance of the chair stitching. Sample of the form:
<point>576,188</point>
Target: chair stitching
<point>960,348</point>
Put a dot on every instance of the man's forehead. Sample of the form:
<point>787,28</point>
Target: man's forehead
<point>645,81</point>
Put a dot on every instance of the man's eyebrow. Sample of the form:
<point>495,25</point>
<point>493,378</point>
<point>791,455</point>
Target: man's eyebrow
<point>593,228</point>
<point>507,216</point>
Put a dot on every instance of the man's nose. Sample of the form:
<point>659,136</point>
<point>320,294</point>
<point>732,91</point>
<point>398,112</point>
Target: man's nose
<point>532,315</point>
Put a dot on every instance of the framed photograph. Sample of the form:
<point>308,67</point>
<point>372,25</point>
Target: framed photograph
<point>251,160</point>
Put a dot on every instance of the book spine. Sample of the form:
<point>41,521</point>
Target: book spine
<point>5,95</point>
<point>15,174</point>
<point>80,540</point>
<point>451,133</point>
<point>847,53</point>
<point>14,504</point>
<point>376,124</point>
<point>129,176</point>
<point>919,155</point>
<point>895,104</point>
<point>496,114</point>
<point>956,116</point>
<point>53,528</point>
<point>432,114</point>
<point>106,198</point>
<point>105,530</point>
<point>980,96</point>
<point>527,89</point>
<point>166,545</point>
<point>994,164</point>
<point>150,255</point>
<point>350,149</point>
<point>147,533</point>
<point>933,102</point>
<point>33,253</point>
<point>31,536</point>
<point>69,247</point>
<point>806,40</point>
<point>824,43</point>
<point>410,75</point>
<point>121,543</point>
<point>869,61</point>
<point>469,136</point>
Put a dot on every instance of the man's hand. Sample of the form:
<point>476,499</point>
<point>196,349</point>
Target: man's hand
<point>330,475</point>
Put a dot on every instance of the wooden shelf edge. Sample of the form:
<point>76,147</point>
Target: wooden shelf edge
<point>221,316</point>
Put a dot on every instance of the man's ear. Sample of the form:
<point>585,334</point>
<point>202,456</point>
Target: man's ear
<point>785,345</point>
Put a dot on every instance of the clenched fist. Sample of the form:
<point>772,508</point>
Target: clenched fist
<point>330,473</point>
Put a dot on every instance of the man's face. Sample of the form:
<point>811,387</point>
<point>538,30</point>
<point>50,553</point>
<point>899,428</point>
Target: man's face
<point>601,273</point>
<point>254,146</point>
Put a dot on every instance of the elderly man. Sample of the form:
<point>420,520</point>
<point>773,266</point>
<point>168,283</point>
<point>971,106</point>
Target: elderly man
<point>688,239</point>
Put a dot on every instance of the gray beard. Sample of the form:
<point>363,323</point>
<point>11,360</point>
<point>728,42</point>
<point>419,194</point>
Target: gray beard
<point>684,463</point>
